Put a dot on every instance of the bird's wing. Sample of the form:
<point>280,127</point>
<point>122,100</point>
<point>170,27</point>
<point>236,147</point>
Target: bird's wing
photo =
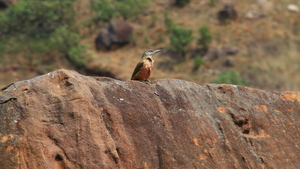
<point>136,70</point>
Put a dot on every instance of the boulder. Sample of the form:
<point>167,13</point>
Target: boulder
<point>115,35</point>
<point>227,14</point>
<point>67,120</point>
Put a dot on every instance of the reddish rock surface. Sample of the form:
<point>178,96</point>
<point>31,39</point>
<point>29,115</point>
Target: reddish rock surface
<point>67,120</point>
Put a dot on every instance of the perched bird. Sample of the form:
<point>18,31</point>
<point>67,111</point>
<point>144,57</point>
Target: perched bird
<point>143,69</point>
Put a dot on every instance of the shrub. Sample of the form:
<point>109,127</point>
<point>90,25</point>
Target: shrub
<point>108,9</point>
<point>67,43</point>
<point>198,62</point>
<point>76,55</point>
<point>36,19</point>
<point>105,10</point>
<point>130,8</point>
<point>212,3</point>
<point>168,21</point>
<point>205,37</point>
<point>230,77</point>
<point>63,39</point>
<point>179,38</point>
<point>35,28</point>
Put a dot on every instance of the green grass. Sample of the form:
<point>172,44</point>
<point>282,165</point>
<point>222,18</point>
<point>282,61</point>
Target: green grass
<point>230,77</point>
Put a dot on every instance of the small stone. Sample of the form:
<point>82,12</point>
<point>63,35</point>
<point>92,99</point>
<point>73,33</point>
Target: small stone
<point>293,8</point>
<point>229,62</point>
<point>254,14</point>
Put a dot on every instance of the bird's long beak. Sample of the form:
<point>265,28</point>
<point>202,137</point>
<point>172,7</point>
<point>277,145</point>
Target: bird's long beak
<point>156,51</point>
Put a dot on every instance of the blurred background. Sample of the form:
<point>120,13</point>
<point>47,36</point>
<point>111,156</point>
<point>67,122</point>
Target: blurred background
<point>254,43</point>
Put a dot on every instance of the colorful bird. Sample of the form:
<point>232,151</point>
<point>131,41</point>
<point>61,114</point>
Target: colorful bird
<point>143,69</point>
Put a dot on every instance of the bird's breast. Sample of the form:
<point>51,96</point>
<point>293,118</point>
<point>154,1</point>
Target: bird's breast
<point>147,65</point>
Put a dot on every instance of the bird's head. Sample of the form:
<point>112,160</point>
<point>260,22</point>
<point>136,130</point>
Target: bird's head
<point>150,53</point>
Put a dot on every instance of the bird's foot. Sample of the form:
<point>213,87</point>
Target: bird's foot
<point>147,81</point>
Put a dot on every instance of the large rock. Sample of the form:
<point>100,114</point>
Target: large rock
<point>116,34</point>
<point>227,14</point>
<point>67,120</point>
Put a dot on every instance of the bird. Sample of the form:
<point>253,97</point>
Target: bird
<point>143,69</point>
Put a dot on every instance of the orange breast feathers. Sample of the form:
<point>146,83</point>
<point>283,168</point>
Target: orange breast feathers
<point>145,71</point>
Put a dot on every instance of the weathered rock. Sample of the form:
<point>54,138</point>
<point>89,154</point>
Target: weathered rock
<point>254,14</point>
<point>227,14</point>
<point>230,50</point>
<point>229,62</point>
<point>293,8</point>
<point>67,120</point>
<point>217,53</point>
<point>116,34</point>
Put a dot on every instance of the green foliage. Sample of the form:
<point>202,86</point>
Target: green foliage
<point>105,10</point>
<point>212,3</point>
<point>180,38</point>
<point>168,21</point>
<point>181,3</point>
<point>35,19</point>
<point>205,37</point>
<point>67,42</point>
<point>108,9</point>
<point>198,62</point>
<point>63,39</point>
<point>76,55</point>
<point>230,77</point>
<point>41,28</point>
<point>130,8</point>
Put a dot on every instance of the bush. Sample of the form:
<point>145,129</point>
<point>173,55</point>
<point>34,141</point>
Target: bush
<point>130,8</point>
<point>39,29</point>
<point>104,9</point>
<point>67,43</point>
<point>108,9</point>
<point>198,62</point>
<point>230,77</point>
<point>181,3</point>
<point>63,39</point>
<point>179,38</point>
<point>36,19</point>
<point>168,21</point>
<point>77,55</point>
<point>212,3</point>
<point>205,37</point>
